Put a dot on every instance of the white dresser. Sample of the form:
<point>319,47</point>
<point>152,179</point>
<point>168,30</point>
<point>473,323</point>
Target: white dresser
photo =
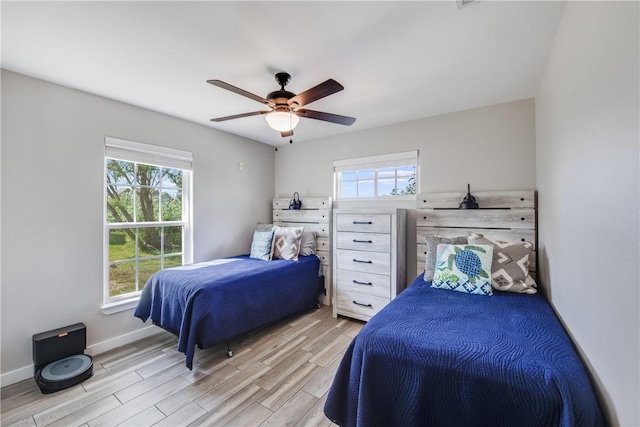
<point>369,260</point>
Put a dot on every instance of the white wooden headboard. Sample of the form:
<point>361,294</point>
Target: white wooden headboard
<point>315,215</point>
<point>503,215</point>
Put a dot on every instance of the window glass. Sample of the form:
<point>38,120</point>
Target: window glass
<point>386,186</point>
<point>349,189</point>
<point>144,224</point>
<point>366,188</point>
<point>367,182</point>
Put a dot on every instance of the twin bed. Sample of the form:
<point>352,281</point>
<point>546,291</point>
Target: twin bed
<point>432,357</point>
<point>208,303</point>
<point>437,357</point>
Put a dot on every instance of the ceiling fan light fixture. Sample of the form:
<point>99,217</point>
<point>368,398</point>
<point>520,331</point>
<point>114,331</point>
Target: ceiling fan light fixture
<point>282,121</point>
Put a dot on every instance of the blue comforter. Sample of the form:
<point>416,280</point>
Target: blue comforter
<point>440,358</point>
<point>210,302</point>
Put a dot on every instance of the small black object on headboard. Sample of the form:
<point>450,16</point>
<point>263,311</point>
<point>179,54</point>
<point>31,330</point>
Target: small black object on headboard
<point>295,203</point>
<point>469,201</point>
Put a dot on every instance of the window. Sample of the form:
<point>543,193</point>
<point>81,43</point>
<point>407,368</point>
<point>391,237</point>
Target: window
<point>147,214</point>
<point>377,177</point>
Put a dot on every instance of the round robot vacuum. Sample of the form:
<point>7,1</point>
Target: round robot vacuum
<point>64,373</point>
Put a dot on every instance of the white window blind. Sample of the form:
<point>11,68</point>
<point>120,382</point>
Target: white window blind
<point>148,154</point>
<point>407,158</point>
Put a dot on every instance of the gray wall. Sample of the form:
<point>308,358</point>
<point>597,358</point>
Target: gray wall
<point>492,148</point>
<point>52,201</point>
<point>587,178</point>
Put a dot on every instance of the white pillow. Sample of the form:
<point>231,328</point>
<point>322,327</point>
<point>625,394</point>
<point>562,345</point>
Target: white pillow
<point>308,243</point>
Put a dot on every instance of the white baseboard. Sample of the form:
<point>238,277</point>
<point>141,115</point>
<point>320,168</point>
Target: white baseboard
<point>121,340</point>
<point>16,376</point>
<point>26,372</point>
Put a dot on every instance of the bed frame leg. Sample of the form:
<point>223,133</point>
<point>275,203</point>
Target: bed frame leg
<point>229,351</point>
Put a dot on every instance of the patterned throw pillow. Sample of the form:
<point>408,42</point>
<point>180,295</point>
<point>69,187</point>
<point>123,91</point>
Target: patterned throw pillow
<point>261,244</point>
<point>286,242</point>
<point>464,268</point>
<point>432,241</point>
<point>308,243</point>
<point>510,268</point>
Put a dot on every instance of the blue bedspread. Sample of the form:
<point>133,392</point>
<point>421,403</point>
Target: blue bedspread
<point>211,302</point>
<point>440,358</point>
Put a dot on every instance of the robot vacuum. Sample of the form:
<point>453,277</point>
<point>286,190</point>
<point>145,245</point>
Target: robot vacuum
<point>64,373</point>
<point>59,358</point>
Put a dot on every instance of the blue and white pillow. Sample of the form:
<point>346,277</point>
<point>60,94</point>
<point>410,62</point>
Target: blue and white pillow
<point>464,268</point>
<point>261,244</point>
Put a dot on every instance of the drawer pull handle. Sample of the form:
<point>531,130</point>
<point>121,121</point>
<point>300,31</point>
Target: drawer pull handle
<point>364,262</point>
<point>363,283</point>
<point>363,222</point>
<point>362,241</point>
<point>364,305</point>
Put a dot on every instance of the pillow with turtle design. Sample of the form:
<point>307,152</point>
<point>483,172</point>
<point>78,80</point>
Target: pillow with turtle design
<point>464,268</point>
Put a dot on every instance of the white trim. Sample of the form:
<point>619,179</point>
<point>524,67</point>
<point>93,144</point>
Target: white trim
<point>124,339</point>
<point>407,158</point>
<point>148,154</point>
<point>118,306</point>
<point>16,376</point>
<point>26,372</point>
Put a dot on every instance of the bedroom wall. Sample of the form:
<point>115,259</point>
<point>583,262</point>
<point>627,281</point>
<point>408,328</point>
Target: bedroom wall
<point>588,188</point>
<point>52,201</point>
<point>492,148</point>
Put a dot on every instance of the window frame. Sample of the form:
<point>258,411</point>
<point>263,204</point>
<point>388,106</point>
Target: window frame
<point>376,163</point>
<point>163,157</point>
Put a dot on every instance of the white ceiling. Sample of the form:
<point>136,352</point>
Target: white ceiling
<point>398,61</point>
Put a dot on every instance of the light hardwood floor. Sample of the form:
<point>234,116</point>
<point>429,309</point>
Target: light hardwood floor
<point>279,376</point>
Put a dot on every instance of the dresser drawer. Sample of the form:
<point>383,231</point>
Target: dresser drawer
<point>360,304</point>
<point>364,223</point>
<point>365,261</point>
<point>373,242</point>
<point>357,281</point>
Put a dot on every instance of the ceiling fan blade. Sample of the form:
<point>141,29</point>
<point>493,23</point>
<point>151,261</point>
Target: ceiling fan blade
<point>327,117</point>
<point>238,116</point>
<point>286,134</point>
<point>239,91</point>
<point>317,92</point>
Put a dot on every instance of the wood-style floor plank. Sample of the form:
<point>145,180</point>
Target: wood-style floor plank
<point>253,415</point>
<point>231,407</point>
<point>289,386</point>
<point>63,409</point>
<point>148,417</point>
<point>280,375</point>
<point>227,389</point>
<point>292,411</point>
<point>315,416</point>
<point>176,401</point>
<point>183,416</point>
<point>88,412</point>
<point>320,383</point>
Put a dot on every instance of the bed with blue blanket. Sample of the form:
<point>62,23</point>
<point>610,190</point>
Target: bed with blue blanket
<point>211,302</point>
<point>437,357</point>
<point>433,357</point>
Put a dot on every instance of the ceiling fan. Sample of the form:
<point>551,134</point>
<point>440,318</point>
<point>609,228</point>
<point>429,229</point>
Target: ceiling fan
<point>285,106</point>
